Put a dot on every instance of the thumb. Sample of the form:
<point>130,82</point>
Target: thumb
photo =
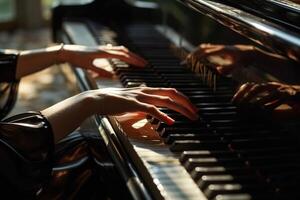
<point>100,72</point>
<point>225,70</point>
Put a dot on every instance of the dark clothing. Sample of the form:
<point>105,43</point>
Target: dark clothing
<point>26,150</point>
<point>32,167</point>
<point>26,140</point>
<point>8,63</point>
<point>8,82</point>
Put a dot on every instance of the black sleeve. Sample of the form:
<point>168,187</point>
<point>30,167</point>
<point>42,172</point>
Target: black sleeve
<point>26,151</point>
<point>8,64</point>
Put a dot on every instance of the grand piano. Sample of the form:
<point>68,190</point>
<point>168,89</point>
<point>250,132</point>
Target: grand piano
<point>228,154</point>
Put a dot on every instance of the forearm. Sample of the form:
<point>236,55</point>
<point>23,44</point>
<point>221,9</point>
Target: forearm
<point>67,115</point>
<point>31,61</point>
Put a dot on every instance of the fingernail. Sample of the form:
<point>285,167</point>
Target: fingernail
<point>196,117</point>
<point>169,120</point>
<point>195,109</point>
<point>183,62</point>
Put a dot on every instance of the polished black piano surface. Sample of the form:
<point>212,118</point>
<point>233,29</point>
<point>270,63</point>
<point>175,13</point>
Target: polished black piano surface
<point>229,153</point>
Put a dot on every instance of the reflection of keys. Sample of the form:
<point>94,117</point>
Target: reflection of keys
<point>136,126</point>
<point>206,72</point>
<point>166,172</point>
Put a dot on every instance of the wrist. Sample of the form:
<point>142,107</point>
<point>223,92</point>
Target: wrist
<point>90,102</point>
<point>294,93</point>
<point>251,54</point>
<point>60,53</point>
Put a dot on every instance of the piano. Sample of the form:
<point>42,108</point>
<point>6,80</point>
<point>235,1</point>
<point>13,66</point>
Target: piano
<point>227,154</point>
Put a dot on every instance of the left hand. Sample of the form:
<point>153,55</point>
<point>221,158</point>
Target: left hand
<point>84,56</point>
<point>267,95</point>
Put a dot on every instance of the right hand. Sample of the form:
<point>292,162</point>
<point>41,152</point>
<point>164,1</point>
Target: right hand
<point>117,101</point>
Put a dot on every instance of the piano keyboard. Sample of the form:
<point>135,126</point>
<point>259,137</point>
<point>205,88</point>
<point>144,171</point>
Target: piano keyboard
<point>225,155</point>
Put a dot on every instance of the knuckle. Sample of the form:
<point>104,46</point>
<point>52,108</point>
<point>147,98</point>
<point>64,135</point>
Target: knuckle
<point>174,90</point>
<point>255,87</point>
<point>168,99</point>
<point>152,109</point>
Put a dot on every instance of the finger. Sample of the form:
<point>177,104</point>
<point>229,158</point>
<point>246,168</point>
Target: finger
<point>101,72</point>
<point>273,105</point>
<point>197,53</point>
<point>117,48</point>
<point>126,51</point>
<point>271,97</point>
<point>242,92</point>
<point>217,49</point>
<point>205,45</point>
<point>253,92</point>
<point>225,70</point>
<point>168,103</point>
<point>129,58</point>
<point>175,95</point>
<point>155,112</point>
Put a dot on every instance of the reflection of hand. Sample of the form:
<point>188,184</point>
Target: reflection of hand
<point>268,95</point>
<point>116,101</point>
<point>84,57</point>
<point>225,58</point>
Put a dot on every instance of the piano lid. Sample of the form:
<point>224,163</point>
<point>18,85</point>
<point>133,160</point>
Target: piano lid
<point>284,12</point>
<point>281,38</point>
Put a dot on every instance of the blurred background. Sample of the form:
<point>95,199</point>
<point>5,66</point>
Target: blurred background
<point>25,24</point>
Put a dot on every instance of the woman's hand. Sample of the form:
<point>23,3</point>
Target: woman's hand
<point>225,58</point>
<point>268,95</point>
<point>67,115</point>
<point>84,57</point>
<point>116,101</point>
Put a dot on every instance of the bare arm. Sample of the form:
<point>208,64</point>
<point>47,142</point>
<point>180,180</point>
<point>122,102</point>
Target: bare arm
<point>31,61</point>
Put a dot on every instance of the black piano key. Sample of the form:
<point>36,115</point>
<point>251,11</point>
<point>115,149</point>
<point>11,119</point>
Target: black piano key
<point>241,196</point>
<point>141,78</point>
<point>170,129</point>
<point>202,154</point>
<point>154,120</point>
<point>210,98</point>
<point>280,151</point>
<point>207,180</point>
<point>272,160</point>
<point>260,143</point>
<point>189,136</point>
<point>247,135</point>
<point>198,172</point>
<point>178,124</point>
<point>192,163</point>
<point>221,189</point>
<point>219,115</point>
<point>184,145</point>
